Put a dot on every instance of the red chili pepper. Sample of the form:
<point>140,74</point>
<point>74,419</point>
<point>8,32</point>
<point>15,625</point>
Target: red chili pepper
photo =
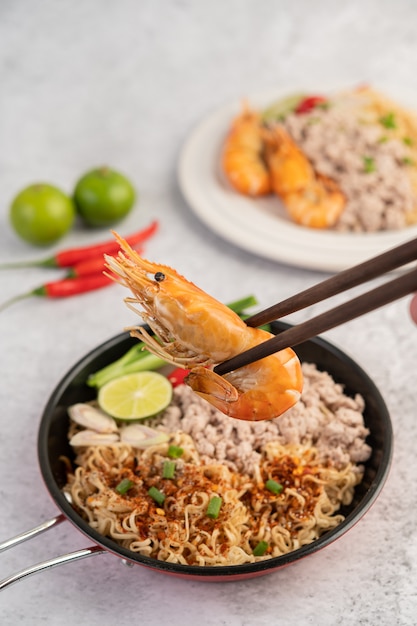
<point>72,286</point>
<point>309,103</point>
<point>64,288</point>
<point>94,265</point>
<point>177,376</point>
<point>72,256</point>
<point>68,258</point>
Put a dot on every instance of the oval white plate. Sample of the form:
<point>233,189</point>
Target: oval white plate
<point>261,225</point>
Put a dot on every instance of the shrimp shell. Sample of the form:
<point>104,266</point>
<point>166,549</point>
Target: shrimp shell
<point>310,198</point>
<point>243,155</point>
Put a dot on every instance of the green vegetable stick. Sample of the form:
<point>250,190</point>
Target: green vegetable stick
<point>137,359</point>
<point>238,306</point>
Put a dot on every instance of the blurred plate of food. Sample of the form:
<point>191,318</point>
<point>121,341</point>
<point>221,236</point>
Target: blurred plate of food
<point>313,178</point>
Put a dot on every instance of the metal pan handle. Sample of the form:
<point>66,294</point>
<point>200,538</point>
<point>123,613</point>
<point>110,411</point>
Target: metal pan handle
<point>14,541</point>
<point>50,563</point>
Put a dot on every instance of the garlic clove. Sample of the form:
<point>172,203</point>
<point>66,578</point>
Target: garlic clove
<point>93,438</point>
<point>92,418</point>
<point>140,436</point>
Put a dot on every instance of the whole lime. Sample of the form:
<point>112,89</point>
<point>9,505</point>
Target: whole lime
<point>41,214</point>
<point>103,197</point>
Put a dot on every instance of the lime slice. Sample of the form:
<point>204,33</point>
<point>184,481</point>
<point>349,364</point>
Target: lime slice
<point>135,396</point>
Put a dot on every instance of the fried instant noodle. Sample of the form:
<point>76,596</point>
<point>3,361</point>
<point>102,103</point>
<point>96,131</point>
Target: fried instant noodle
<point>179,529</point>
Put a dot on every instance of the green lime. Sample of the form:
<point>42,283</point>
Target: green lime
<point>103,197</point>
<point>135,396</point>
<point>41,214</point>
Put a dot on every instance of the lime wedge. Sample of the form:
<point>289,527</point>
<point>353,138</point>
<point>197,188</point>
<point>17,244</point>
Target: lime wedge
<point>135,396</point>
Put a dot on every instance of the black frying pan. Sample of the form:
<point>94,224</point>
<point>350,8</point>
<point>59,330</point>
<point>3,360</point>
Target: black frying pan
<point>53,444</point>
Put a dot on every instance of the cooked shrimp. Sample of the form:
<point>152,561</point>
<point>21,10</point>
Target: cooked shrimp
<point>242,157</point>
<point>195,331</point>
<point>290,169</point>
<point>310,198</point>
<point>319,205</point>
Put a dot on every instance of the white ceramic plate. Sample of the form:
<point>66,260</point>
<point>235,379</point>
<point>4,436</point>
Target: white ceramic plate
<point>260,225</point>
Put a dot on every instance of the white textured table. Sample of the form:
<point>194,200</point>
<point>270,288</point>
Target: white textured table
<point>123,83</point>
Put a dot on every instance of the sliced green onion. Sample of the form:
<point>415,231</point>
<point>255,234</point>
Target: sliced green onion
<point>388,121</point>
<point>124,486</point>
<point>261,548</point>
<point>240,305</point>
<point>408,141</point>
<point>168,469</point>
<point>156,495</point>
<point>213,508</point>
<point>273,486</point>
<point>408,161</point>
<point>175,452</point>
<point>369,164</point>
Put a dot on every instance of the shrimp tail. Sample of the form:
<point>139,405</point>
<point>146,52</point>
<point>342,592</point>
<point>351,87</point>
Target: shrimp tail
<point>252,405</point>
<point>207,383</point>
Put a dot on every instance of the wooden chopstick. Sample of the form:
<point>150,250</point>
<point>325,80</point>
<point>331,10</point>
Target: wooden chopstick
<point>356,275</point>
<point>384,294</point>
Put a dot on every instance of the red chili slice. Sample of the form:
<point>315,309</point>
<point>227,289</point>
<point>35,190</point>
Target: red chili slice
<point>176,377</point>
<point>309,103</point>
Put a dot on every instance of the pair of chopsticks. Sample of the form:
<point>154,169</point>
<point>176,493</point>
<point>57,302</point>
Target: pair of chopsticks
<point>377,266</point>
